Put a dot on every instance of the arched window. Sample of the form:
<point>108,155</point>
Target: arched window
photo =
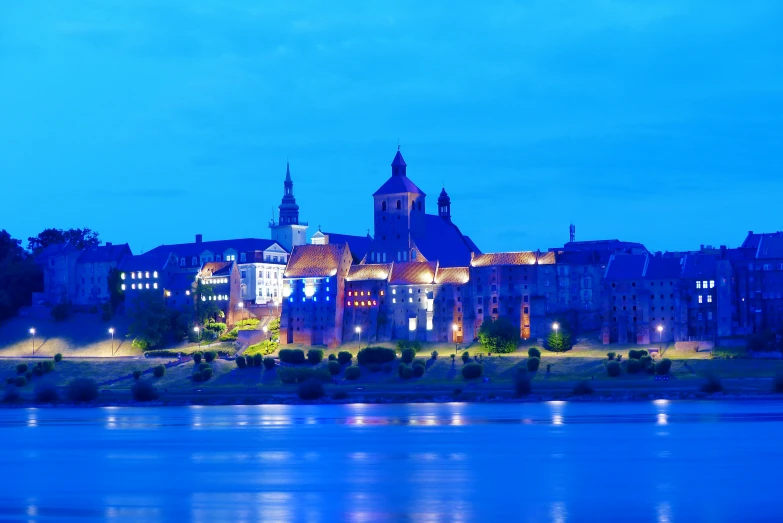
<point>383,206</point>
<point>399,205</point>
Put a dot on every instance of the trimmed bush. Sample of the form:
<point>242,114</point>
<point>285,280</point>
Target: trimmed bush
<point>663,366</point>
<point>353,373</point>
<point>434,355</point>
<point>46,393</point>
<point>269,363</point>
<point>258,360</point>
<point>21,368</point>
<point>533,363</point>
<point>301,374</point>
<point>613,368</point>
<point>533,352</point>
<point>241,362</point>
<point>158,371</point>
<point>47,366</point>
<point>196,357</point>
<point>405,344</point>
<point>418,370</point>
<point>144,391</point>
<point>522,384</point>
<point>635,354</point>
<point>82,390</point>
<point>20,381</point>
<point>611,355</point>
<point>249,361</point>
<point>202,366</point>
<point>407,355</point>
<point>215,327</point>
<point>210,356</point>
<point>11,396</point>
<point>332,357</point>
<point>206,373</point>
<point>634,366</point>
<point>312,389</point>
<point>196,376</point>
<point>405,371</point>
<point>292,356</point>
<point>334,368</point>
<point>374,355</point>
<point>472,371</point>
<point>58,358</point>
<point>315,356</point>
<point>583,388</point>
<point>465,357</point>
<point>263,348</point>
<point>345,357</point>
<point>712,384</point>
<point>60,312</point>
<point>137,375</point>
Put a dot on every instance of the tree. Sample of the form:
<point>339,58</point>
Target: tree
<point>149,319</point>
<point>206,309</point>
<point>79,238</point>
<point>559,341</point>
<point>274,329</point>
<point>498,335</point>
<point>19,276</point>
<point>116,294</point>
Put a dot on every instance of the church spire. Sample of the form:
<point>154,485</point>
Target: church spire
<point>398,165</point>
<point>444,205</point>
<point>289,210</point>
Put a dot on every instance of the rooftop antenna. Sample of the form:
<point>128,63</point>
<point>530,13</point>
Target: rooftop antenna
<point>398,144</point>
<point>572,232</point>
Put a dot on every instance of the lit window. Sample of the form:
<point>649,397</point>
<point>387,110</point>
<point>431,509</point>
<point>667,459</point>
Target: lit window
<point>429,324</point>
<point>155,274</point>
<point>123,286</point>
<point>709,298</point>
<point>394,300</point>
<point>704,284</point>
<point>411,324</point>
<point>327,289</point>
<point>315,298</point>
<point>698,285</point>
<point>122,275</point>
<point>712,284</point>
<point>362,304</point>
<point>394,291</point>
<point>187,293</point>
<point>133,286</point>
<point>138,275</point>
<point>348,303</point>
<point>355,303</point>
<point>699,298</point>
<point>327,298</point>
<point>155,285</point>
<point>147,274</point>
<point>133,276</point>
<point>410,291</point>
<point>410,300</point>
<point>381,293</point>
<point>148,285</point>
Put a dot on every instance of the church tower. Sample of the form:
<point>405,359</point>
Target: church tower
<point>288,231</point>
<point>444,205</point>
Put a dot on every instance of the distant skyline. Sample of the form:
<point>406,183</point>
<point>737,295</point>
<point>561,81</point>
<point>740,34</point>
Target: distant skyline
<point>150,122</point>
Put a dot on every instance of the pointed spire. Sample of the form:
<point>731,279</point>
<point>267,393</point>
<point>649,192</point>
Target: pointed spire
<point>288,172</point>
<point>444,205</point>
<point>398,165</point>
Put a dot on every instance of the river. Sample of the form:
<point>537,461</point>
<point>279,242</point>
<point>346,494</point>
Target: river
<point>555,462</point>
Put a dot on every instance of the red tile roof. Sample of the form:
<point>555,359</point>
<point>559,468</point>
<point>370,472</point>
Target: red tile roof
<point>411,273</point>
<point>314,261</point>
<point>370,271</point>
<point>452,275</point>
<point>504,258</point>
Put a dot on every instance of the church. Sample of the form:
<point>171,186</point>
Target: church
<point>420,279</point>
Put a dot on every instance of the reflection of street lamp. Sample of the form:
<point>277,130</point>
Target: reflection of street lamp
<point>198,333</point>
<point>32,331</point>
<point>111,331</point>
<point>265,331</point>
<point>358,331</point>
<point>454,337</point>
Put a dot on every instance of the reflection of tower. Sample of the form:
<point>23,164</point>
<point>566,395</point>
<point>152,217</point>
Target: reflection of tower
<point>288,231</point>
<point>572,231</point>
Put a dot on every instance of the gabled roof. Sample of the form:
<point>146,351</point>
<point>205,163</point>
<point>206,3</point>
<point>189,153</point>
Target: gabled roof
<point>770,246</point>
<point>663,267</point>
<point>586,257</point>
<point>698,266</point>
<point>398,184</point>
<point>456,275</point>
<point>315,261</point>
<point>105,254</point>
<point>358,244</point>
<point>55,249</point>
<point>504,258</point>
<point>370,271</point>
<point>443,242</point>
<point>145,262</point>
<point>216,269</point>
<point>610,245</point>
<point>413,273</point>
<point>217,246</point>
<point>626,267</point>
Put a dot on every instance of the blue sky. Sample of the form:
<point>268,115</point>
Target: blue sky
<point>153,120</point>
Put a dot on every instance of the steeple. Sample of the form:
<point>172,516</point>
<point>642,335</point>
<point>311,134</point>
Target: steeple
<point>398,165</point>
<point>444,205</point>
<point>289,210</point>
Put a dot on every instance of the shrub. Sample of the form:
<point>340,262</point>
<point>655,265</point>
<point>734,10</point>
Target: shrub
<point>522,384</point>
<point>533,363</point>
<point>241,362</point>
<point>301,374</point>
<point>47,366</point>
<point>374,367</point>
<point>645,361</point>
<point>407,355</point>
<point>583,388</point>
<point>312,389</point>
<point>263,348</point>
<point>633,366</point>
<point>258,360</point>
<point>215,327</point>
<point>269,363</point>
<point>405,371</point>
<point>353,373</point>
<point>465,357</point>
<point>21,368</point>
<point>210,356</point>
<point>196,357</point>
<point>637,354</point>
<point>533,352</point>
<point>345,357</point>
<point>406,344</point>
<point>158,371</point>
<point>334,368</point>
<point>498,335</point>
<point>418,370</point>
<point>374,355</point>
<point>60,312</point>
<point>315,356</point>
<point>712,384</point>
<point>434,355</point>
<point>202,366</point>
<point>332,357</point>
<point>293,356</point>
<point>82,390</point>
<point>613,368</point>
<point>777,383</point>
<point>611,355</point>
<point>144,391</point>
<point>339,394</point>
<point>11,396</point>
<point>20,381</point>
<point>58,358</point>
<point>206,373</point>
<point>196,376</point>
<point>663,366</point>
<point>472,370</point>
<point>137,375</point>
<point>46,393</point>
<point>250,361</point>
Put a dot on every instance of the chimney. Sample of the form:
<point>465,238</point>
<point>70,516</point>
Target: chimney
<point>198,238</point>
<point>108,244</point>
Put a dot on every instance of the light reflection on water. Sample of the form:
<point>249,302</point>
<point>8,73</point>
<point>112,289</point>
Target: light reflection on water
<point>557,461</point>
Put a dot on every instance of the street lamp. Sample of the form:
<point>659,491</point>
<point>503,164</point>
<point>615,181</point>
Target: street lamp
<point>198,333</point>
<point>111,331</point>
<point>660,335</point>
<point>265,331</point>
<point>32,331</point>
<point>556,327</point>
<point>454,337</point>
<point>358,331</point>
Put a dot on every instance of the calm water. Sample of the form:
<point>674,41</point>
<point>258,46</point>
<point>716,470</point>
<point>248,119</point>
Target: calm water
<point>559,462</point>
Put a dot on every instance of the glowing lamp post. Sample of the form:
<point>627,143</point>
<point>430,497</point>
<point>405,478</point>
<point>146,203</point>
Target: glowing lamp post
<point>659,328</point>
<point>556,327</point>
<point>32,331</point>
<point>358,331</point>
<point>198,333</point>
<point>266,329</point>
<point>111,331</point>
<point>454,337</point>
